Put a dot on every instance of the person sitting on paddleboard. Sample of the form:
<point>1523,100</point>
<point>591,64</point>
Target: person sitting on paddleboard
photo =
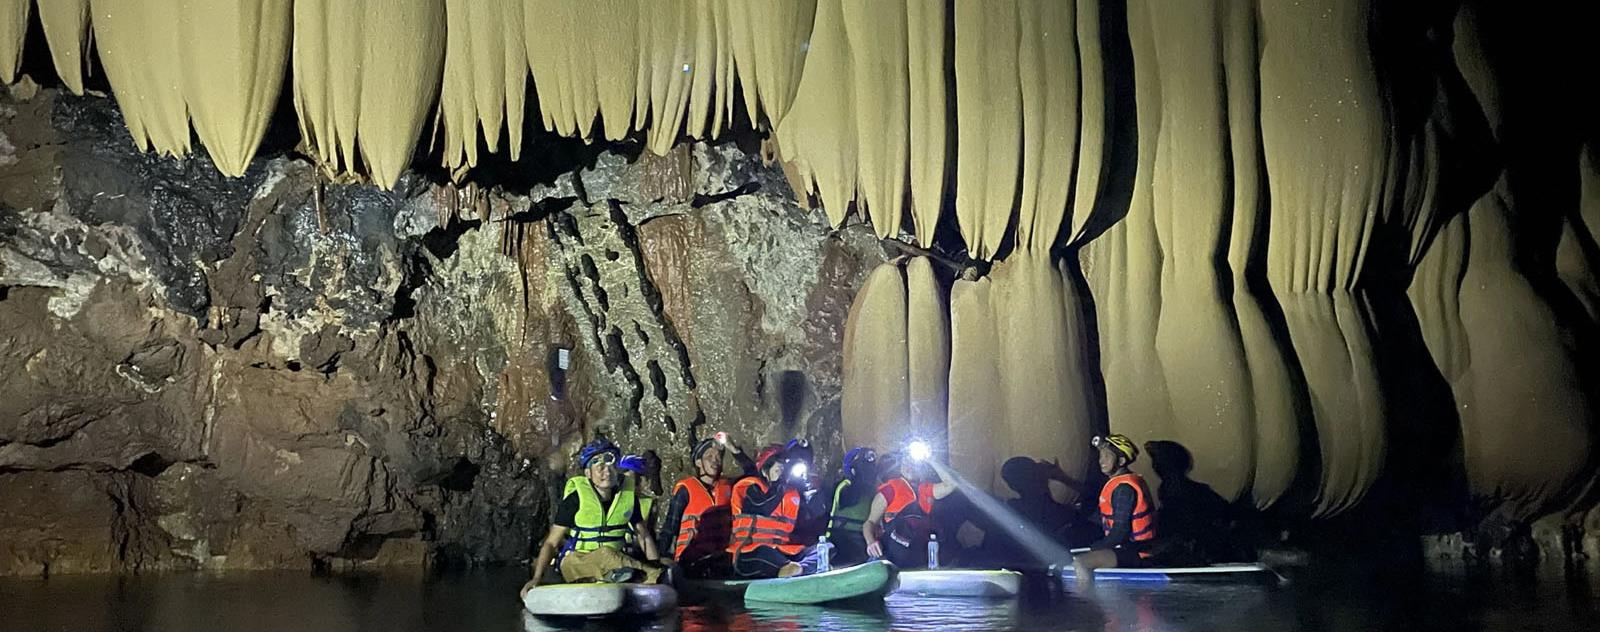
<point>700,516</point>
<point>812,524</point>
<point>597,511</point>
<point>901,519</point>
<point>765,511</point>
<point>852,503</point>
<point>1126,513</point>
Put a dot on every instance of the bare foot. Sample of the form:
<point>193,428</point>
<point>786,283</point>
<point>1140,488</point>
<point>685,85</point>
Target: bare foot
<point>790,570</point>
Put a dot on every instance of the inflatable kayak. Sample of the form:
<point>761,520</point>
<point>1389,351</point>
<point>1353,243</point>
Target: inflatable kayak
<point>597,600</point>
<point>1248,573</point>
<point>959,583</point>
<point>872,579</point>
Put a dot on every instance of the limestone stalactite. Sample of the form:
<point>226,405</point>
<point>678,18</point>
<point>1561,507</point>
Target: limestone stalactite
<point>13,32</point>
<point>769,42</point>
<point>66,27</point>
<point>362,99</point>
<point>925,55</point>
<point>927,352</point>
<point>818,133</point>
<point>1018,79</point>
<point>233,55</point>
<point>1492,318</point>
<point>1274,386</point>
<point>1326,152</point>
<point>874,402</point>
<point>988,122</point>
<point>140,52</point>
<point>977,429</point>
<point>1197,334</point>
<point>849,132</point>
<point>485,78</point>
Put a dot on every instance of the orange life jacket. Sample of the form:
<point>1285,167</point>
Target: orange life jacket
<point>752,530</point>
<point>902,501</point>
<point>1143,528</point>
<point>703,529</point>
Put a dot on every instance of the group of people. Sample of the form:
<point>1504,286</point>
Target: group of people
<point>776,519</point>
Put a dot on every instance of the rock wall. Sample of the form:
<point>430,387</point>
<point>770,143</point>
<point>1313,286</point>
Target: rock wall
<point>1342,253</point>
<point>277,370</point>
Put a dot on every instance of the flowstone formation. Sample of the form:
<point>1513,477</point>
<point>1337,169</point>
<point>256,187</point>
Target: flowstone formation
<point>1342,253</point>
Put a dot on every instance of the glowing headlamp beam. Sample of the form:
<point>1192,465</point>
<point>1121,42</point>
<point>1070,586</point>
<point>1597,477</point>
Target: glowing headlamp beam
<point>919,450</point>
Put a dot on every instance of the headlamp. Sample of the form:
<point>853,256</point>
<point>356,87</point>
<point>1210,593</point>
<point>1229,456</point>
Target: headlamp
<point>919,450</point>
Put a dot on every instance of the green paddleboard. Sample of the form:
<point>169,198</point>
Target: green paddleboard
<point>865,580</point>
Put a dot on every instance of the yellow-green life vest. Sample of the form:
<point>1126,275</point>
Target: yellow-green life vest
<point>593,530</point>
<point>848,520</point>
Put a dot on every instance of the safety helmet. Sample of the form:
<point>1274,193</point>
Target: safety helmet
<point>766,456</point>
<point>632,463</point>
<point>855,456</point>
<point>797,449</point>
<point>1120,443</point>
<point>701,447</point>
<point>596,448</point>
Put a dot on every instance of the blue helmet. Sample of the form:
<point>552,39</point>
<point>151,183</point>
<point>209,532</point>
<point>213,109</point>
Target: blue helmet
<point>855,456</point>
<point>632,463</point>
<point>598,447</point>
<point>797,449</point>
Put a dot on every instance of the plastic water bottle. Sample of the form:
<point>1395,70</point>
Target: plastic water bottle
<point>933,550</point>
<point>824,553</point>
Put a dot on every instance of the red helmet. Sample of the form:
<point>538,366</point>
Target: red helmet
<point>765,457</point>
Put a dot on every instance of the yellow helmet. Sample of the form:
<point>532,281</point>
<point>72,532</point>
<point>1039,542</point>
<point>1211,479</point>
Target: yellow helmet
<point>1120,443</point>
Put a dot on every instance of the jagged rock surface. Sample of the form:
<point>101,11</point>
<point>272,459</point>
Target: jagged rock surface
<point>277,370</point>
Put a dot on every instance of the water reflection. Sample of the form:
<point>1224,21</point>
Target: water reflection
<point>485,602</point>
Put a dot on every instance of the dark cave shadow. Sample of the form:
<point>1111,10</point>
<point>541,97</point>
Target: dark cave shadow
<point>1194,525</point>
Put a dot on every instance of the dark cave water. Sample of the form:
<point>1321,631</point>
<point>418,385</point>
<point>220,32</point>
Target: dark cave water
<point>485,601</point>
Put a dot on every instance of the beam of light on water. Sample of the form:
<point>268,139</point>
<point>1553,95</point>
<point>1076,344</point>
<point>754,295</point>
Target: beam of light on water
<point>1038,545</point>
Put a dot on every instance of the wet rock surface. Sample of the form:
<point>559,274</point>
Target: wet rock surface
<point>281,371</point>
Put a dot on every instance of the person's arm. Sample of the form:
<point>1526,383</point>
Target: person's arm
<point>872,529</point>
<point>1122,500</point>
<point>547,552</point>
<point>667,534</point>
<point>745,462</point>
<point>947,480</point>
<point>1067,487</point>
<point>647,543</point>
<point>813,505</point>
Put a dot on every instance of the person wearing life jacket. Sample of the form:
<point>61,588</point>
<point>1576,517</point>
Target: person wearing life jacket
<point>597,511</point>
<point>901,519</point>
<point>850,506</point>
<point>700,514</point>
<point>812,525</point>
<point>765,510</point>
<point>1127,515</point>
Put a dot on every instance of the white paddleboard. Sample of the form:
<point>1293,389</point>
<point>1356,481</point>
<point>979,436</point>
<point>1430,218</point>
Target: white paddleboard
<point>594,600</point>
<point>1240,573</point>
<point>960,583</point>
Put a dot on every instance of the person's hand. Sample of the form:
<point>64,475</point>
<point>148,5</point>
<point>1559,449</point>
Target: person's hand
<point>532,584</point>
<point>875,548</point>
